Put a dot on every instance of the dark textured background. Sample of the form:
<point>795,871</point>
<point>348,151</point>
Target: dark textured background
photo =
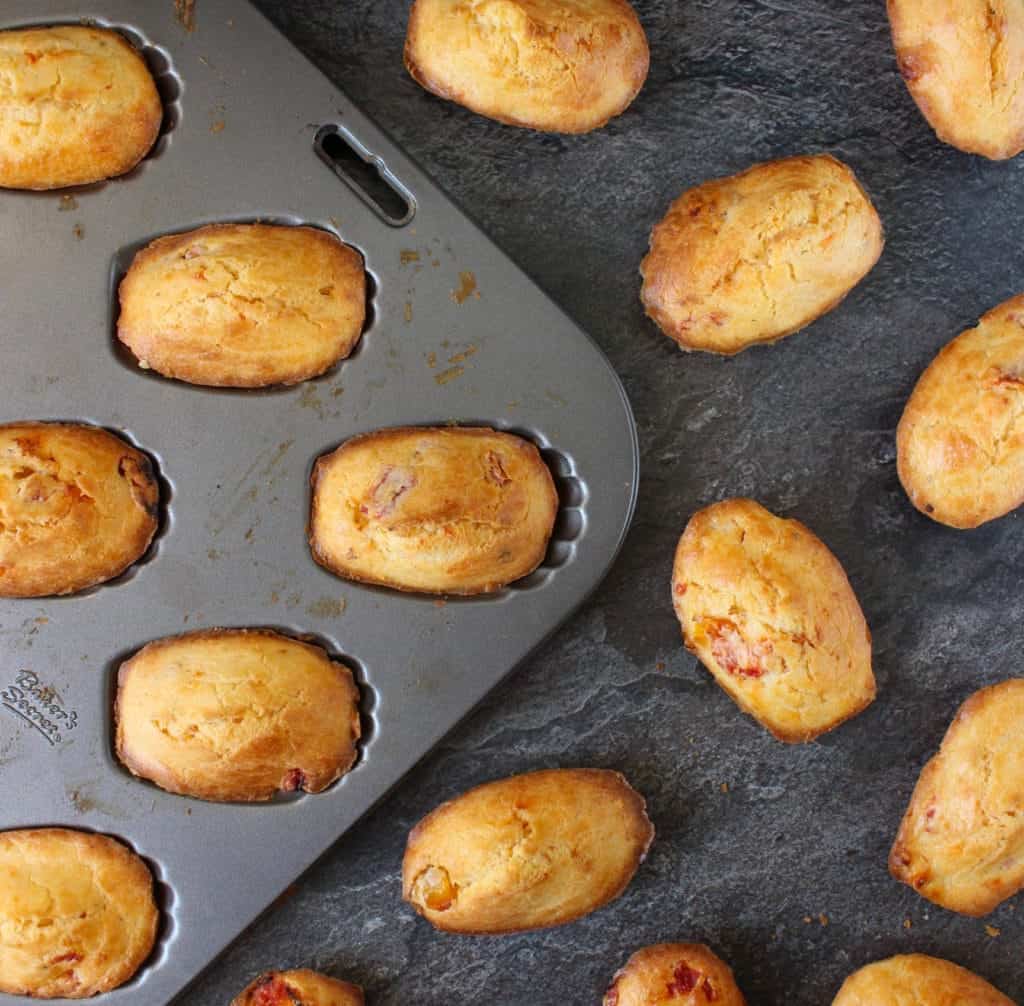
<point>806,427</point>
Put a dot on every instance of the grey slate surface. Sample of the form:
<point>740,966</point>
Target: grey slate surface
<point>807,427</point>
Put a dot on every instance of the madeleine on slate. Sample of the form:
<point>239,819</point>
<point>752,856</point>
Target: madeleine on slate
<point>298,988</point>
<point>680,974</point>
<point>917,979</point>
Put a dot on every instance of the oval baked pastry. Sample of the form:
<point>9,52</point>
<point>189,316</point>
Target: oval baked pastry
<point>959,450</point>
<point>963,61</point>
<point>759,255</point>
<point>770,613</point>
<point>236,714</point>
<point>79,106</point>
<point>78,506</point>
<point>915,978</point>
<point>298,988</point>
<point>961,843</point>
<point>452,510</point>
<point>243,305</point>
<point>528,852</point>
<point>77,913</point>
<point>543,64</point>
<point>680,974</point>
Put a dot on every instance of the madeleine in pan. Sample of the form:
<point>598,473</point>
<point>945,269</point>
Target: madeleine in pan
<point>77,913</point>
<point>243,305</point>
<point>959,449</point>
<point>80,106</point>
<point>236,714</point>
<point>963,61</point>
<point>527,852</point>
<point>770,613</point>
<point>298,988</point>
<point>760,255</point>
<point>674,974</point>
<point>961,843</point>
<point>543,64</point>
<point>451,510</point>
<point>915,978</point>
<point>78,506</point>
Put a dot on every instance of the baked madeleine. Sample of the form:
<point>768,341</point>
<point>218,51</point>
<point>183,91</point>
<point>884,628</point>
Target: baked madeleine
<point>236,714</point>
<point>963,61</point>
<point>79,105</point>
<point>961,844</point>
<point>760,255</point>
<point>299,988</point>
<point>243,305</point>
<point>527,852</point>
<point>77,913</point>
<point>915,978</point>
<point>674,974</point>
<point>543,64</point>
<point>959,449</point>
<point>78,506</point>
<point>452,510</point>
<point>770,613</point>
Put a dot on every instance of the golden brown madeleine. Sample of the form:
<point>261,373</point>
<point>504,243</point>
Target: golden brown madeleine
<point>674,974</point>
<point>77,913</point>
<point>552,65</point>
<point>963,61</point>
<point>917,979</point>
<point>299,988</point>
<point>236,714</point>
<point>961,843</point>
<point>527,852</point>
<point>959,449</point>
<point>770,613</point>
<point>78,506</point>
<point>452,510</point>
<point>758,256</point>
<point>79,104</point>
<point>243,305</point>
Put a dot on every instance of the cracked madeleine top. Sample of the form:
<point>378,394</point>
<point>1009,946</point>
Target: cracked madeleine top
<point>960,442</point>
<point>77,914</point>
<point>527,852</point>
<point>78,506</point>
<point>759,255</point>
<point>452,510</point>
<point>769,611</point>
<point>917,980</point>
<point>961,843</point>
<point>561,66</point>
<point>78,103</point>
<point>963,61</point>
<point>243,305</point>
<point>236,714</point>
<point>298,988</point>
<point>674,974</point>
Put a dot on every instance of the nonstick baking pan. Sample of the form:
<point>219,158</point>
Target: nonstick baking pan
<point>455,333</point>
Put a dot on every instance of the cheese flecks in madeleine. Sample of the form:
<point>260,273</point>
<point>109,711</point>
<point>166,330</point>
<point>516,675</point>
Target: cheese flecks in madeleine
<point>961,843</point>
<point>77,105</point>
<point>683,974</point>
<point>960,442</point>
<point>754,257</point>
<point>453,510</point>
<point>78,505</point>
<point>963,61</point>
<point>917,979</point>
<point>243,305</point>
<point>236,714</point>
<point>769,611</point>
<point>561,66</point>
<point>527,852</point>
<point>77,913</point>
<point>298,988</point>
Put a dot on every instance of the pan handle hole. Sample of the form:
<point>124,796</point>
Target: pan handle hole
<point>366,174</point>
